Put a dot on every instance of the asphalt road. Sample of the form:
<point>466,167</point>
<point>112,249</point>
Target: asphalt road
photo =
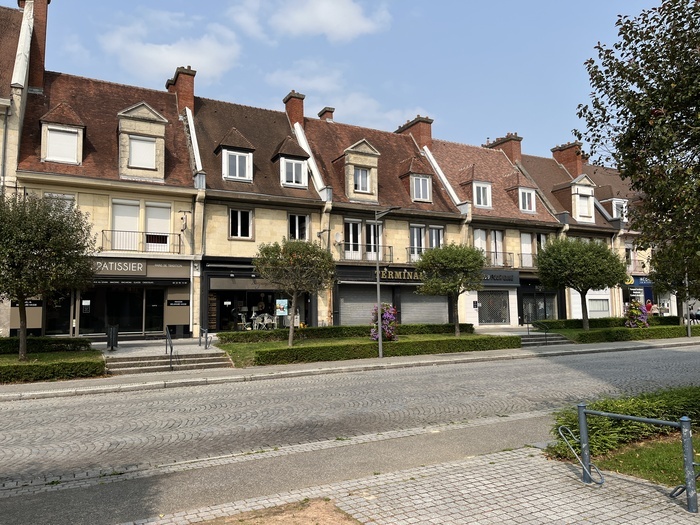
<point>185,447</point>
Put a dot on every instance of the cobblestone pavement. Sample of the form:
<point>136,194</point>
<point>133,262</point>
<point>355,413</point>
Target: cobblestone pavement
<point>518,487</point>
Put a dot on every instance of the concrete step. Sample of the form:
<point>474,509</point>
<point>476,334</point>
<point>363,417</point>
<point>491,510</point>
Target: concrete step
<point>160,357</point>
<point>161,363</point>
<point>542,340</point>
<point>166,368</point>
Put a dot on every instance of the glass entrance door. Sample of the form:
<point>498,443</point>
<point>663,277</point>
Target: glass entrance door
<point>155,307</point>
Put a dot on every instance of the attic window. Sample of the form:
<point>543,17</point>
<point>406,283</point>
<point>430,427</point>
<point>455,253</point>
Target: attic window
<point>421,188</point>
<point>361,180</point>
<point>293,172</point>
<point>237,165</point>
<point>142,152</point>
<point>63,144</point>
<point>619,208</point>
<point>482,194</point>
<point>527,200</point>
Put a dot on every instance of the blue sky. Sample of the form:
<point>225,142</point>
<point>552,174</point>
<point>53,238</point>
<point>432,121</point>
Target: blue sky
<point>479,69</point>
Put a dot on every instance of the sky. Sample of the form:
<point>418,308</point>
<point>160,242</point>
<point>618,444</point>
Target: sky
<point>479,69</point>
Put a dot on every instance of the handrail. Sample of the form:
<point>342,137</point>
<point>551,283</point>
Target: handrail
<point>169,342</point>
<point>540,326</point>
<point>207,338</point>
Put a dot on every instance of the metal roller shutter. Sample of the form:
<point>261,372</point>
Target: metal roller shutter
<point>423,309</point>
<point>357,303</point>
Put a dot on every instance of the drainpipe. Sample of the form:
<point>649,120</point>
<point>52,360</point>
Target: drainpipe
<point>3,163</point>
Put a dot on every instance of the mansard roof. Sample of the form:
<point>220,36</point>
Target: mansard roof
<point>63,114</point>
<point>10,24</point>
<point>396,155</point>
<point>97,104</point>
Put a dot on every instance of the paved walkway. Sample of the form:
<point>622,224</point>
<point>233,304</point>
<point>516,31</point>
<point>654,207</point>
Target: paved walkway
<point>517,486</point>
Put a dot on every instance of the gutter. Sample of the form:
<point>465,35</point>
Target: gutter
<point>3,160</point>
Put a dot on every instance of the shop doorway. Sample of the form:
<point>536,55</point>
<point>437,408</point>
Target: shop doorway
<point>132,309</point>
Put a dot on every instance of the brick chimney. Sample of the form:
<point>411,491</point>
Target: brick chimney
<point>570,156</point>
<point>182,84</point>
<point>294,106</point>
<point>510,145</point>
<point>421,128</point>
<point>326,113</point>
<point>37,50</point>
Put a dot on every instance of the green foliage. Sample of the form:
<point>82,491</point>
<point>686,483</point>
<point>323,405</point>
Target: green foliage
<point>643,118</point>
<point>296,267</point>
<point>669,268</point>
<point>606,435</point>
<point>581,266</point>
<point>334,332</point>
<point>52,367</point>
<point>364,349</point>
<point>451,270</point>
<point>628,334</point>
<point>604,322</point>
<point>35,345</point>
<point>46,248</point>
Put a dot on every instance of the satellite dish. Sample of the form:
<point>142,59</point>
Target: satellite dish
<point>338,237</point>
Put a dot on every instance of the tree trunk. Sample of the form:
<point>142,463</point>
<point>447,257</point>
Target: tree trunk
<point>292,313</point>
<point>584,309</point>
<point>22,329</point>
<point>455,313</point>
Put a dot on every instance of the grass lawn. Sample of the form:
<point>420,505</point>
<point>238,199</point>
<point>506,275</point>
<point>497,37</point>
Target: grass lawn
<point>51,357</point>
<point>242,354</point>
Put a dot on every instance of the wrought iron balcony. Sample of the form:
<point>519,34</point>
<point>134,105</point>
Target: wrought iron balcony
<point>353,251</point>
<point>499,259</point>
<point>141,242</point>
<point>527,260</point>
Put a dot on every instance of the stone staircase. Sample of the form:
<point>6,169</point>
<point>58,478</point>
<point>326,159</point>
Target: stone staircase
<point>141,364</point>
<point>539,339</point>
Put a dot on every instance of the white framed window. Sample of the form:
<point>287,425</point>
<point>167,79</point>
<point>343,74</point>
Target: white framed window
<point>62,145</point>
<point>498,257</point>
<point>482,194</point>
<point>585,208</point>
<point>599,306</point>
<point>361,180</point>
<point>299,227</point>
<point>527,259</point>
<point>125,225</point>
<point>294,172</point>
<point>373,240</point>
<point>353,230</point>
<point>435,236</point>
<point>142,152</point>
<point>619,208</point>
<point>421,188</point>
<point>527,200</point>
<point>66,200</point>
<point>480,239</point>
<point>240,224</point>
<point>237,165</point>
<point>417,240</point>
<point>157,227</point>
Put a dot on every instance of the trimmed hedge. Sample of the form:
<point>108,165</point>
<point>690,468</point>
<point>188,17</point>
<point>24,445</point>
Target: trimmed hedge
<point>36,345</point>
<point>606,435</point>
<point>605,322</point>
<point>364,350</point>
<point>335,332</point>
<point>35,371</point>
<point>635,334</point>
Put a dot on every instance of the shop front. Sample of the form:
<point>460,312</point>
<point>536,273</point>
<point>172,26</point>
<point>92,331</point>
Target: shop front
<point>355,296</point>
<point>496,303</point>
<point>236,298</point>
<point>535,302</point>
<point>138,296</point>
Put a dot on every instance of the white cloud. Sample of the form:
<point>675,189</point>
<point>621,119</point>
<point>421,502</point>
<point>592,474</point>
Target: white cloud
<point>246,16</point>
<point>363,110</point>
<point>337,20</point>
<point>307,76</point>
<point>213,52</point>
<point>74,50</point>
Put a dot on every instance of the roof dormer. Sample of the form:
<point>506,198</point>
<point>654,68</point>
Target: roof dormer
<point>361,172</point>
<point>62,133</point>
<point>142,143</point>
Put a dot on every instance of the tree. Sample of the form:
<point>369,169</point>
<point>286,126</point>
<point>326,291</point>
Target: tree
<point>581,266</point>
<point>676,273</point>
<point>644,119</point>
<point>296,267</point>
<point>45,247</point>
<point>451,270</point>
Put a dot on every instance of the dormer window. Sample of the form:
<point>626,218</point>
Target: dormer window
<point>62,144</point>
<point>527,200</point>
<point>584,208</point>
<point>361,180</point>
<point>421,188</point>
<point>619,209</point>
<point>237,165</point>
<point>482,195</point>
<point>294,172</point>
<point>142,152</point>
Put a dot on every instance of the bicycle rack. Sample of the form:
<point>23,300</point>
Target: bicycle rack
<point>587,471</point>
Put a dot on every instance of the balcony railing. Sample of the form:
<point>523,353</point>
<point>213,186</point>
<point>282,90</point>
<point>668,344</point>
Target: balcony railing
<point>352,251</point>
<point>127,241</point>
<point>499,259</point>
<point>527,260</point>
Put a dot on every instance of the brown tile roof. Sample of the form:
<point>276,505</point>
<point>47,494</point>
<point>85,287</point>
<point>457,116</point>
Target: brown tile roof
<point>554,182</point>
<point>266,132</point>
<point>610,184</point>
<point>63,114</point>
<point>96,104</point>
<point>463,164</point>
<point>399,155</point>
<point>10,24</point>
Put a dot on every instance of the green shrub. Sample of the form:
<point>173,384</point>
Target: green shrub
<point>605,322</point>
<point>334,332</point>
<point>634,334</point>
<point>606,434</point>
<point>36,345</point>
<point>364,350</point>
<point>25,372</point>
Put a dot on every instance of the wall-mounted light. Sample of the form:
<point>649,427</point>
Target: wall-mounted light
<point>184,219</point>
<point>322,232</point>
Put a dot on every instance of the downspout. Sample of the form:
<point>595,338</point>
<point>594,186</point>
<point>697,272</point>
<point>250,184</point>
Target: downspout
<point>3,163</point>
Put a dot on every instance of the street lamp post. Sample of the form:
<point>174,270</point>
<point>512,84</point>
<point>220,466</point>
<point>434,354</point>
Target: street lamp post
<point>378,215</point>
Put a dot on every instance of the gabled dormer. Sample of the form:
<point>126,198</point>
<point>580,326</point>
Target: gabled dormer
<point>416,176</point>
<point>62,133</point>
<point>142,143</point>
<point>236,157</point>
<point>578,197</point>
<point>522,192</point>
<point>361,161</point>
<point>293,164</point>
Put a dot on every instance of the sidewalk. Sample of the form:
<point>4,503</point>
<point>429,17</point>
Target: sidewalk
<point>159,380</point>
